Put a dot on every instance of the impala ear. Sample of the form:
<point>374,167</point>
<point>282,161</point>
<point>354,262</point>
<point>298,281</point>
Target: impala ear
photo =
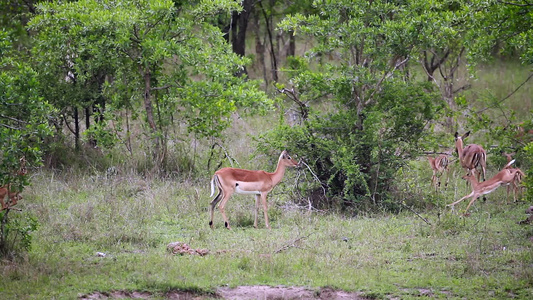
<point>466,134</point>
<point>456,135</point>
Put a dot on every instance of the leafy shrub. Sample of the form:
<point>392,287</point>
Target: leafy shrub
<point>357,165</point>
<point>16,233</point>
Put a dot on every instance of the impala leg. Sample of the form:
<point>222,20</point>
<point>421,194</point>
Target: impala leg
<point>15,197</point>
<point>467,196</point>
<point>256,211</point>
<point>471,201</point>
<point>214,203</point>
<point>222,209</point>
<point>265,208</point>
<point>516,190</point>
<point>479,177</point>
<point>508,191</point>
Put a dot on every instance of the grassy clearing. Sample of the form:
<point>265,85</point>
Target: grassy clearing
<point>132,220</point>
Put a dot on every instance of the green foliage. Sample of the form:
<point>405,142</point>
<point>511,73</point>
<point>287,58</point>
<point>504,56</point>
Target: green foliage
<point>24,115</point>
<point>503,28</point>
<point>528,181</point>
<point>380,113</point>
<point>155,56</point>
<point>16,233</point>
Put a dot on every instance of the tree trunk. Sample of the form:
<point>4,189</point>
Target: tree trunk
<point>148,107</point>
<point>273,53</point>
<point>148,100</point>
<point>260,49</point>
<point>291,50</point>
<point>76,129</point>
<point>88,110</point>
<point>239,24</point>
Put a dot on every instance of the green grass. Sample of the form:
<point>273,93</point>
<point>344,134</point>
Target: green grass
<point>132,220</point>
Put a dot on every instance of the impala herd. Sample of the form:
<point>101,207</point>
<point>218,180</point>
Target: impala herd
<point>472,158</point>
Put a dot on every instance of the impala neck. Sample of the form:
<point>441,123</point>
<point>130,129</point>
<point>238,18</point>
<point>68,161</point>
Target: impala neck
<point>432,162</point>
<point>278,173</point>
<point>473,182</point>
<point>459,147</point>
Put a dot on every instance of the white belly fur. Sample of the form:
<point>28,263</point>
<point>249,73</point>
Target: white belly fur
<point>238,190</point>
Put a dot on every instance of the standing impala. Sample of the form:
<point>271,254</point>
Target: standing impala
<point>439,165</point>
<point>472,156</point>
<point>517,181</point>
<point>504,177</point>
<point>258,183</point>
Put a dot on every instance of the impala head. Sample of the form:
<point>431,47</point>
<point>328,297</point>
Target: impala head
<point>287,160</point>
<point>459,140</point>
<point>469,177</point>
<point>509,156</point>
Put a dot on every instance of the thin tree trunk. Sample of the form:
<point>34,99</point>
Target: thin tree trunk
<point>291,50</point>
<point>148,100</point>
<point>148,107</point>
<point>92,141</point>
<point>260,49</point>
<point>76,129</point>
<point>273,53</point>
<point>239,25</point>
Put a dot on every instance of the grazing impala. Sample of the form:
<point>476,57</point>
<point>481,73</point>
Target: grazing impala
<point>7,190</point>
<point>439,165</point>
<point>472,156</point>
<point>258,183</point>
<point>505,176</point>
<point>517,180</point>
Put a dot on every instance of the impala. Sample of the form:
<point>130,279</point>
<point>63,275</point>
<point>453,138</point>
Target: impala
<point>505,176</point>
<point>258,183</point>
<point>439,165</point>
<point>13,196</point>
<point>472,156</point>
<point>517,180</point>
<point>6,190</point>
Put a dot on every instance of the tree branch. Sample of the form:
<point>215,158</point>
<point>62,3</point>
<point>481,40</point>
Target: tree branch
<point>516,4</point>
<point>385,76</point>
<point>304,108</point>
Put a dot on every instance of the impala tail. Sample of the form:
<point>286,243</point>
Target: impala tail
<point>509,164</point>
<point>212,186</point>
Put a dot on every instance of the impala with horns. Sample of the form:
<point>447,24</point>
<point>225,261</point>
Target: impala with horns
<point>472,156</point>
<point>504,177</point>
<point>517,181</point>
<point>439,165</point>
<point>240,181</point>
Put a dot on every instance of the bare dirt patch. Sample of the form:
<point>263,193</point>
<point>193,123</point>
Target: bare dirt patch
<point>238,293</point>
<point>282,292</point>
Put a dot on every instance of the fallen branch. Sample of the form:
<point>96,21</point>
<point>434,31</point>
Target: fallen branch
<point>418,215</point>
<point>291,244</point>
